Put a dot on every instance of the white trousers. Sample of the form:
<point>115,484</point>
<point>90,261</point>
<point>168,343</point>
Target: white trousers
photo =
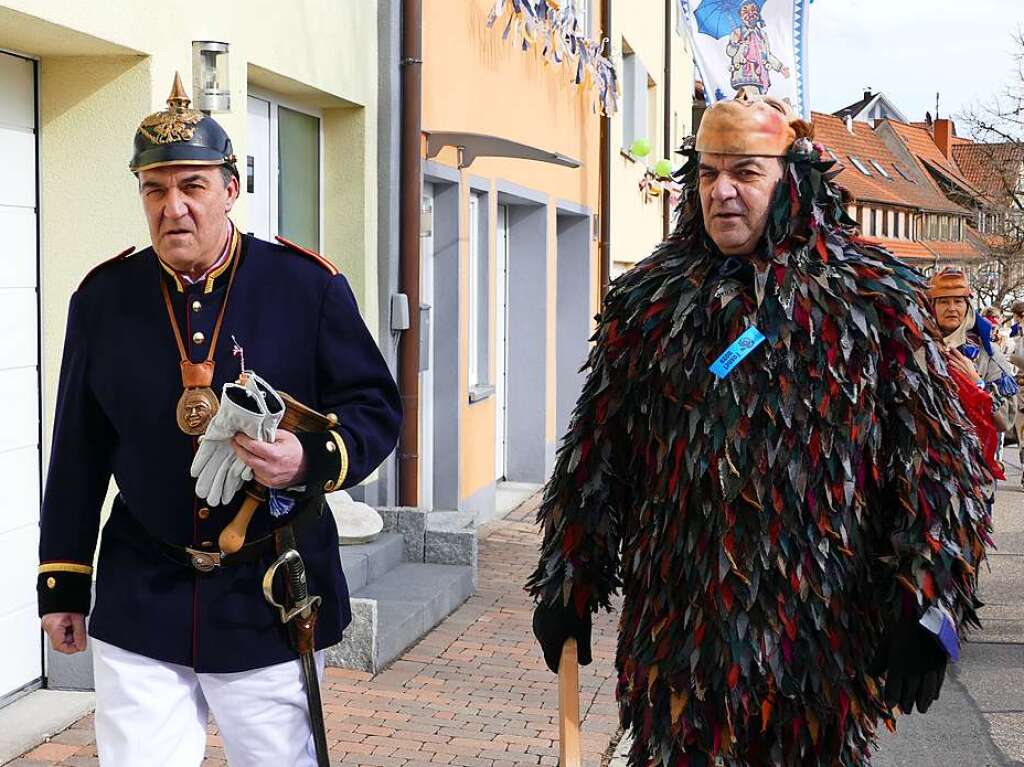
<point>151,713</point>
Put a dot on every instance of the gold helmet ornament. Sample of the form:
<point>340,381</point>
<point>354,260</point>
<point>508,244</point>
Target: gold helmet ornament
<point>180,135</point>
<point>750,125</point>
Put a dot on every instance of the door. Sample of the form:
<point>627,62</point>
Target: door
<point>426,441</point>
<point>257,169</point>
<point>501,344</point>
<point>21,660</point>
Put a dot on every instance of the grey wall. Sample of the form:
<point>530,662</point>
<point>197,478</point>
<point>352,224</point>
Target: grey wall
<point>527,359</point>
<point>445,330</point>
<point>573,313</point>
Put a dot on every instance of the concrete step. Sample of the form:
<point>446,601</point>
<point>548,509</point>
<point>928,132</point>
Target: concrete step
<point>365,562</point>
<point>399,608</point>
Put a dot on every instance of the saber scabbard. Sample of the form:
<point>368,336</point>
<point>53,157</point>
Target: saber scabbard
<point>298,612</point>
<point>569,753</point>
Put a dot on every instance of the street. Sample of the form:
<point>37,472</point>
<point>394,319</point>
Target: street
<point>475,693</point>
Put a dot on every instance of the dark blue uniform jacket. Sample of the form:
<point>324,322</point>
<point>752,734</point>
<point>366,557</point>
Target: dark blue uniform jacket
<point>300,328</point>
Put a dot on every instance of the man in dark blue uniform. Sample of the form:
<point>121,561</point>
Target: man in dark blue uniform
<point>178,628</point>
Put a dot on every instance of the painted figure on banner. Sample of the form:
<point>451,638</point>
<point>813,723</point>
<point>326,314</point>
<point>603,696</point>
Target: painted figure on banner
<point>750,54</point>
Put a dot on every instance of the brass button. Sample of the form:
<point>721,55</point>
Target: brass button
<point>330,446</point>
<point>329,485</point>
<point>196,306</point>
<point>332,419</point>
<point>198,338</point>
<point>51,583</point>
<point>203,513</point>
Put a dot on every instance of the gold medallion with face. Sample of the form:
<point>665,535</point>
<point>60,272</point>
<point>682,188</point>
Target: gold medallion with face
<point>196,408</point>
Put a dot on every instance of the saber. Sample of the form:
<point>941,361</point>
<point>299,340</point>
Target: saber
<point>569,753</point>
<point>300,617</point>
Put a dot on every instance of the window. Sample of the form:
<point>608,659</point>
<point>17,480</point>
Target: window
<point>944,227</point>
<point>832,155</point>
<point>881,170</point>
<point>478,276</point>
<point>859,165</point>
<point>635,100</point>
<point>865,221</point>
<point>852,212</point>
<point>583,18</point>
<point>876,222</point>
<point>904,172</point>
<point>901,225</point>
<point>933,227</point>
<point>283,179</point>
<point>654,119</point>
<point>298,177</point>
<point>890,223</point>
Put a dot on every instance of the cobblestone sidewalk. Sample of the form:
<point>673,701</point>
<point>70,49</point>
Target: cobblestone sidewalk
<point>473,693</point>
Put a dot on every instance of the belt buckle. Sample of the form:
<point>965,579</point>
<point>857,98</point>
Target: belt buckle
<point>203,561</point>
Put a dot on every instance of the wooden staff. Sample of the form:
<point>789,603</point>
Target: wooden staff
<point>569,754</point>
<point>297,417</point>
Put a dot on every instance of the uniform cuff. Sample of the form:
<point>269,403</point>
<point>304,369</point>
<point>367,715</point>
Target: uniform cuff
<point>326,460</point>
<point>64,587</point>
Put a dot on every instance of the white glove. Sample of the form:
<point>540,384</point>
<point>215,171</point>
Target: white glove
<point>253,409</point>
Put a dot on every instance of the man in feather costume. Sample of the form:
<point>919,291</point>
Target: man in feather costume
<point>769,460</point>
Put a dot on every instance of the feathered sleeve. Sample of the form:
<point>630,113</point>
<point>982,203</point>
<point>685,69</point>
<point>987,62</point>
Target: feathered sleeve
<point>583,499</point>
<point>930,470</point>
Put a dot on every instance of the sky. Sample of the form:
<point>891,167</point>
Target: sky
<point>909,49</point>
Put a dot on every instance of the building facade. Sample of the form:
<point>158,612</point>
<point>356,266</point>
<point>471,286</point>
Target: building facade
<point>657,77</point>
<point>894,199</point>
<point>75,80</point>
<point>509,276</point>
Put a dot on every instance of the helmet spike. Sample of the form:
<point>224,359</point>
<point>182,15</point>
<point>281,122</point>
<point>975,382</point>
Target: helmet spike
<point>178,98</point>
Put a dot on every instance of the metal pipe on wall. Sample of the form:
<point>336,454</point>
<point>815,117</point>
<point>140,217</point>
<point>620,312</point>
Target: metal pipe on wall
<point>411,180</point>
<point>668,148</point>
<point>605,194</point>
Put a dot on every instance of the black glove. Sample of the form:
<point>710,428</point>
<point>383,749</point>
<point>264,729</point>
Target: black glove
<point>914,664</point>
<point>553,625</point>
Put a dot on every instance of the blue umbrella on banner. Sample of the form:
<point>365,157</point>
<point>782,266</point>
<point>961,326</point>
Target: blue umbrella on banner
<point>719,18</point>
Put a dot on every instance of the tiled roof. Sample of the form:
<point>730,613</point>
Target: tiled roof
<point>921,144</point>
<point>964,251</point>
<point>992,169</point>
<point>908,250</point>
<point>866,145</point>
<point>855,107</point>
<point>928,250</point>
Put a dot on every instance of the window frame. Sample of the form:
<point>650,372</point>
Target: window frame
<point>878,166</point>
<point>478,300</point>
<point>276,100</point>
<point>859,165</point>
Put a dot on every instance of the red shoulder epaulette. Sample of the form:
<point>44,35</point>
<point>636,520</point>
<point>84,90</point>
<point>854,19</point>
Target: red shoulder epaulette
<point>308,254</point>
<point>123,254</point>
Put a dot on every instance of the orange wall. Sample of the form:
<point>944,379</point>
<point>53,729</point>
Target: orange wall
<point>476,82</point>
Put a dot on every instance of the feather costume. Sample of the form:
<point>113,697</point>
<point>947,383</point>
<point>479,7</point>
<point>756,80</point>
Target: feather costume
<point>764,527</point>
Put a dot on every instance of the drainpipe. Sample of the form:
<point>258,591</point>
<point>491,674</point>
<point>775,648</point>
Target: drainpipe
<point>411,181</point>
<point>605,194</point>
<point>667,216</point>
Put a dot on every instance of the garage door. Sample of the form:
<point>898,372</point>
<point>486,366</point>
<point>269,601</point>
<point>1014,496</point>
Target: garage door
<point>20,661</point>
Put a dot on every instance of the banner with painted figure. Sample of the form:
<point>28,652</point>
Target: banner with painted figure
<point>750,43</point>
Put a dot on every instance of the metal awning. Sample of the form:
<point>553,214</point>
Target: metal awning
<point>473,145</point>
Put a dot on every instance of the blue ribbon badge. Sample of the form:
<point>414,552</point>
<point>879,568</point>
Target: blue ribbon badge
<point>737,352</point>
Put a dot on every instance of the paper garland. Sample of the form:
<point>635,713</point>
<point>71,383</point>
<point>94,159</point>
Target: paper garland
<point>554,28</point>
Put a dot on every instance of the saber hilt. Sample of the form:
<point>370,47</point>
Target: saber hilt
<point>302,603</point>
